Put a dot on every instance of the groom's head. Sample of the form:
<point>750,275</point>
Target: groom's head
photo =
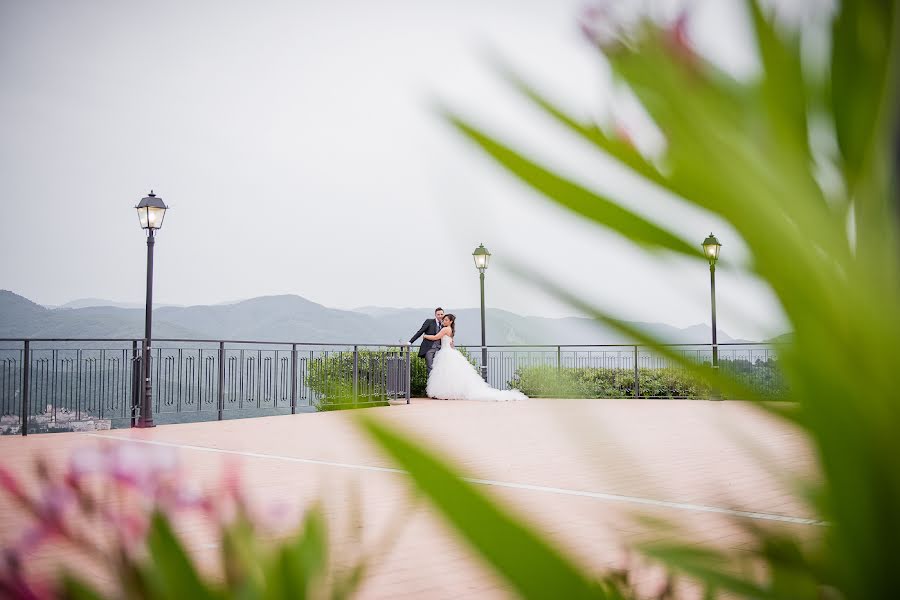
<point>439,313</point>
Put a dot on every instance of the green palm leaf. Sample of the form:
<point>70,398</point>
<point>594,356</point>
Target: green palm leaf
<point>742,151</point>
<point>516,552</point>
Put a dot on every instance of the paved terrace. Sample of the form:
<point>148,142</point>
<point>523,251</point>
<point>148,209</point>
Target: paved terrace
<point>581,470</point>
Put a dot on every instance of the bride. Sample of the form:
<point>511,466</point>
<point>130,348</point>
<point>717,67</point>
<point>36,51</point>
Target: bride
<point>452,375</point>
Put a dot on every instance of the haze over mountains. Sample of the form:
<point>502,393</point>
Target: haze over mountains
<point>296,319</point>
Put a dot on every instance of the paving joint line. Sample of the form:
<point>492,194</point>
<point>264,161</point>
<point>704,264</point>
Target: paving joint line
<point>687,506</point>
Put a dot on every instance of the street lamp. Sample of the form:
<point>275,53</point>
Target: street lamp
<point>482,257</point>
<point>711,247</point>
<point>151,212</point>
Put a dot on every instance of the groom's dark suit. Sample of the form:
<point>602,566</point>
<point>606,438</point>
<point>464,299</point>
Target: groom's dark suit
<point>428,348</point>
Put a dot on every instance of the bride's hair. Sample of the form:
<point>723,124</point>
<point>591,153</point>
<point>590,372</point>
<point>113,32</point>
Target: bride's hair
<point>452,323</point>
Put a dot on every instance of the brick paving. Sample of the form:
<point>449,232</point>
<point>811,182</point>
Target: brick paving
<point>585,469</point>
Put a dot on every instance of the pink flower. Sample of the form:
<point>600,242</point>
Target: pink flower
<point>614,25</point>
<point>231,479</point>
<point>609,24</point>
<point>11,485</point>
<point>184,496</point>
<point>130,527</point>
<point>664,586</point>
<point>678,30</point>
<point>32,539</point>
<point>623,134</point>
<point>678,39</point>
<point>55,502</point>
<point>85,461</point>
<point>127,465</point>
<point>276,516</point>
<point>114,489</point>
<point>14,585</point>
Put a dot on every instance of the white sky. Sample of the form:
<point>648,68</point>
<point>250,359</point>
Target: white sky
<point>299,150</point>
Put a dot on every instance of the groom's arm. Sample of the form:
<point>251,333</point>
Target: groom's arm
<point>444,331</point>
<point>419,332</point>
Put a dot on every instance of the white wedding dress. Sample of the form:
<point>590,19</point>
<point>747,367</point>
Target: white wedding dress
<point>454,378</point>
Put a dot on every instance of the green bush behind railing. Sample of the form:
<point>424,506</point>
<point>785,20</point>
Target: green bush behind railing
<point>600,382</point>
<point>330,378</point>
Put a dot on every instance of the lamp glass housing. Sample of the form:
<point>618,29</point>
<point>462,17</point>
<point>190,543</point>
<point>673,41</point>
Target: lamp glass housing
<point>711,248</point>
<point>151,212</point>
<point>482,258</point>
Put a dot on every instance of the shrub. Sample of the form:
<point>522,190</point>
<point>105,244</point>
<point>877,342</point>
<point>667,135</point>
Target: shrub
<point>418,377</point>
<point>330,378</point>
<point>550,382</point>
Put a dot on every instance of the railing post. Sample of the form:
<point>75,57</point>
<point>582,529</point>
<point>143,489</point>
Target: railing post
<point>558,358</point>
<point>408,373</point>
<point>26,385</point>
<point>637,378</point>
<point>220,401</point>
<point>355,373</point>
<point>136,388</point>
<point>293,379</point>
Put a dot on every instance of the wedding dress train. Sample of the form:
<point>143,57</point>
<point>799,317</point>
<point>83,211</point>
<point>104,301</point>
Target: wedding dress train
<point>454,378</point>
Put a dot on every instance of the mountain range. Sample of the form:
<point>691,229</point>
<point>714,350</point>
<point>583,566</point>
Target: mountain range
<point>292,318</point>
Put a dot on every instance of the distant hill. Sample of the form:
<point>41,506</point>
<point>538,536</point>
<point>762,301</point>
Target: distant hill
<point>93,302</point>
<point>20,317</point>
<point>19,314</point>
<point>782,339</point>
<point>296,319</point>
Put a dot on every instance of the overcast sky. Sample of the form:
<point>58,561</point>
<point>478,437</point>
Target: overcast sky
<point>297,145</point>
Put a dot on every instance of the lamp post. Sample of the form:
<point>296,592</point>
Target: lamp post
<point>482,256</point>
<point>711,247</point>
<point>151,212</point>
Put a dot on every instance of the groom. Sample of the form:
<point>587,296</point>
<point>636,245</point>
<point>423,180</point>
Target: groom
<point>429,348</point>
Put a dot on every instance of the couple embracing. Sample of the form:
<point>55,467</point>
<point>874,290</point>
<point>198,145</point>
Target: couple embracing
<point>450,374</point>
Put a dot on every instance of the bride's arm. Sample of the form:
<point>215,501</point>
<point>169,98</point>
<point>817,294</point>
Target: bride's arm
<point>440,334</point>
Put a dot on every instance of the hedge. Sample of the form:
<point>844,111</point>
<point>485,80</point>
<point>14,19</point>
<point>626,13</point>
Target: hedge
<point>550,382</point>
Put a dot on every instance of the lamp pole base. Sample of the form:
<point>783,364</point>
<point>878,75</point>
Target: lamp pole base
<point>714,393</point>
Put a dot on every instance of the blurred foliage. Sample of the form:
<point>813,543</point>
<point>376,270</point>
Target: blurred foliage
<point>532,567</point>
<point>116,507</point>
<point>762,154</point>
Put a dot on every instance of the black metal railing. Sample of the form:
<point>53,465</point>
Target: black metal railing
<point>72,384</point>
<point>66,384</point>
